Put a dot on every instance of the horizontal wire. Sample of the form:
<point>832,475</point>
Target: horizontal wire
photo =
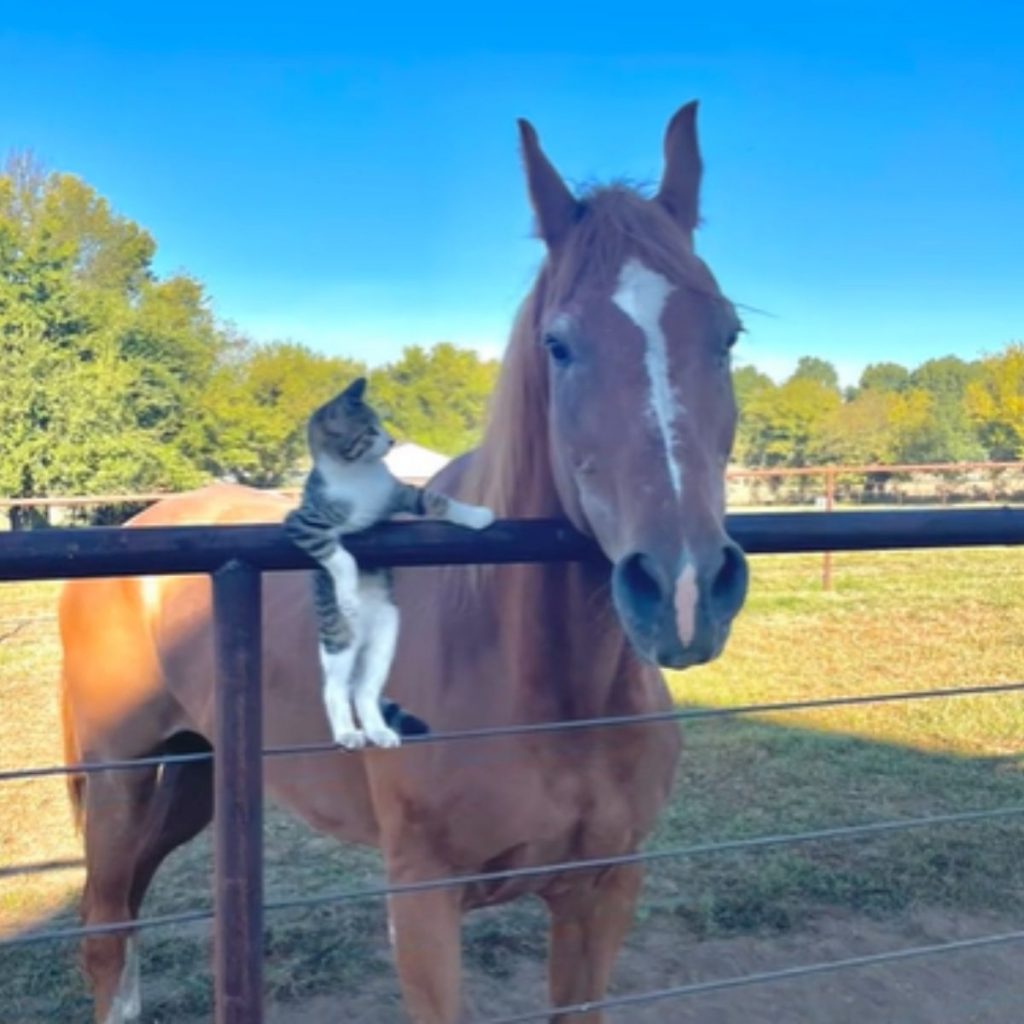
<point>648,856</point>
<point>40,867</point>
<point>763,977</point>
<point>679,714</point>
<point>569,725</point>
<point>841,832</point>
<point>93,767</point>
<point>111,928</point>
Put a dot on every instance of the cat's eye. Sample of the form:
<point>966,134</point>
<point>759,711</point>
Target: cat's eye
<point>561,354</point>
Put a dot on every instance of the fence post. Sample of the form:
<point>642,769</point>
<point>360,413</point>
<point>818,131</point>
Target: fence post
<point>830,495</point>
<point>238,796</point>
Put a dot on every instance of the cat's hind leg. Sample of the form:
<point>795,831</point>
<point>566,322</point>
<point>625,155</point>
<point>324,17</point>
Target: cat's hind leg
<point>337,673</point>
<point>378,635</point>
<point>338,647</point>
<point>344,572</point>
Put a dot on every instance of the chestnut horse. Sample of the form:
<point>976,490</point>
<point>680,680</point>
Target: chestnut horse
<point>615,410</point>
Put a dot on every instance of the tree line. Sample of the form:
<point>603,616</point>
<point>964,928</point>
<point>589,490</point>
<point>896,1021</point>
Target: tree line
<point>944,410</point>
<point>113,379</point>
<point>116,380</point>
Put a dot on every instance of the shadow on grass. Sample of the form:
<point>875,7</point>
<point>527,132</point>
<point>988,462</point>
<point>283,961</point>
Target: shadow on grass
<point>737,778</point>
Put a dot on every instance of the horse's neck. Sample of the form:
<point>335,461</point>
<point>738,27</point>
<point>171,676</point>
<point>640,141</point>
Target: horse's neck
<point>570,643</point>
<point>571,656</point>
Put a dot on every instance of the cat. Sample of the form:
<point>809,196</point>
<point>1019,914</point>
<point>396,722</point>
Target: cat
<point>350,488</point>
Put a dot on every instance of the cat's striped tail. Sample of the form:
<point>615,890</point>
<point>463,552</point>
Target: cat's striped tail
<point>402,721</point>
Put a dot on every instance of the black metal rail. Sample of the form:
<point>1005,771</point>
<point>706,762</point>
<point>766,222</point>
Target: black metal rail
<point>155,550</point>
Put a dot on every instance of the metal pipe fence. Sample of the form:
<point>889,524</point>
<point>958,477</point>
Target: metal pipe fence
<point>236,556</point>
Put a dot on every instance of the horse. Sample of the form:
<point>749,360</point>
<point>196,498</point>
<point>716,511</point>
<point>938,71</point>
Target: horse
<point>614,409</point>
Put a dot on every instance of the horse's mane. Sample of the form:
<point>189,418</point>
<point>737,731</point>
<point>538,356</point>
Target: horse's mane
<point>510,470</point>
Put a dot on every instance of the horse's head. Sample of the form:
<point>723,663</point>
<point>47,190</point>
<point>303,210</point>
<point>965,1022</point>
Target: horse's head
<point>641,415</point>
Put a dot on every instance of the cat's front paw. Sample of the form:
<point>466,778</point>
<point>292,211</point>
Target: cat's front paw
<point>476,517</point>
<point>383,737</point>
<point>350,739</point>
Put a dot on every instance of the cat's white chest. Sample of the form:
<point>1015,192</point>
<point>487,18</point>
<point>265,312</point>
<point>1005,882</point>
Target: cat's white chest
<point>366,489</point>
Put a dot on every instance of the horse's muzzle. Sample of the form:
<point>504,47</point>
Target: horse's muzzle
<point>680,615</point>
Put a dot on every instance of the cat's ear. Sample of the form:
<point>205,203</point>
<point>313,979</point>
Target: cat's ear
<point>355,391</point>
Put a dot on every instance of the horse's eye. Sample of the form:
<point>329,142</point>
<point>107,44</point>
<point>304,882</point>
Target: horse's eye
<point>735,336</point>
<point>560,353</point>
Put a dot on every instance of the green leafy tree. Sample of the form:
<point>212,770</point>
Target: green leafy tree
<point>951,434</point>
<point>785,425</point>
<point>884,377</point>
<point>436,397</point>
<point>995,403</point>
<point>748,384</point>
<point>819,370</point>
<point>75,283</point>
<point>253,415</point>
<point>859,431</point>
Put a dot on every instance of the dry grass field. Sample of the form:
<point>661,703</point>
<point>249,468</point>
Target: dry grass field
<point>895,621</point>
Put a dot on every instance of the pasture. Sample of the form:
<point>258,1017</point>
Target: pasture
<point>895,621</point>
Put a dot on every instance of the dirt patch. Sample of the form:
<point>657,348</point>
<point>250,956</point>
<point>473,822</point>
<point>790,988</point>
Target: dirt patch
<point>977,987</point>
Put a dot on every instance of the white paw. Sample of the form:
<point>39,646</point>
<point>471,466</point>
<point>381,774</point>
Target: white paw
<point>351,739</point>
<point>476,517</point>
<point>383,737</point>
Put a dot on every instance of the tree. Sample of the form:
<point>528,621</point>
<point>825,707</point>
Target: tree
<point>819,370</point>
<point>436,397</point>
<point>748,384</point>
<point>953,435</point>
<point>886,377</point>
<point>859,431</point>
<point>785,424</point>
<point>995,403</point>
<point>945,379</point>
<point>75,284</point>
<point>253,416</point>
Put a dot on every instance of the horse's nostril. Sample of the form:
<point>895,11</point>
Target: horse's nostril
<point>729,588</point>
<point>638,579</point>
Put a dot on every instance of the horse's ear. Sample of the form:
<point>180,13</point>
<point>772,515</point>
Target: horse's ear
<point>680,182</point>
<point>553,203</point>
<point>355,391</point>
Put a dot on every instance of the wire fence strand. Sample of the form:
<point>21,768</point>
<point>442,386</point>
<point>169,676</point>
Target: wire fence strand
<point>741,845</point>
<point>110,928</point>
<point>40,867</point>
<point>764,977</point>
<point>534,728</point>
<point>750,843</point>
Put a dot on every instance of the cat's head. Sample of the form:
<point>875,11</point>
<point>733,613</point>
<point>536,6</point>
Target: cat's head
<point>346,429</point>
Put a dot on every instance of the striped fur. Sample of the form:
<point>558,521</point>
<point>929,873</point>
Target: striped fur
<point>349,489</point>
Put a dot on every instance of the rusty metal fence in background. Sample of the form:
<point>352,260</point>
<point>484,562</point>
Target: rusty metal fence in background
<point>235,557</point>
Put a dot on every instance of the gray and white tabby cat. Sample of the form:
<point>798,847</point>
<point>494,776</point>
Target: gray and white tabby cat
<point>350,488</point>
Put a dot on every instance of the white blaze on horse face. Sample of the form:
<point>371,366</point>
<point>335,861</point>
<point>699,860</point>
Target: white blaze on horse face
<point>687,596</point>
<point>641,294</point>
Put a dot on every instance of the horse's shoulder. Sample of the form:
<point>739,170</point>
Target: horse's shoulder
<point>448,479</point>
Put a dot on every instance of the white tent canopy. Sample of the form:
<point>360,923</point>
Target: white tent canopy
<point>414,463</point>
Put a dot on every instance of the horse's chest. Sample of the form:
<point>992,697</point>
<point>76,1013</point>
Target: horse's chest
<point>575,804</point>
<point>586,796</point>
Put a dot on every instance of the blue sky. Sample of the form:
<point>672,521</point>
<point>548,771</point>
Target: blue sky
<point>350,179</point>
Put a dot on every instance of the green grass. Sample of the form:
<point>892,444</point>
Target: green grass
<point>893,622</point>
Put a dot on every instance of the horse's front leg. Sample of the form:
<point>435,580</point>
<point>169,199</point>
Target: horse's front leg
<point>589,921</point>
<point>426,937</point>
